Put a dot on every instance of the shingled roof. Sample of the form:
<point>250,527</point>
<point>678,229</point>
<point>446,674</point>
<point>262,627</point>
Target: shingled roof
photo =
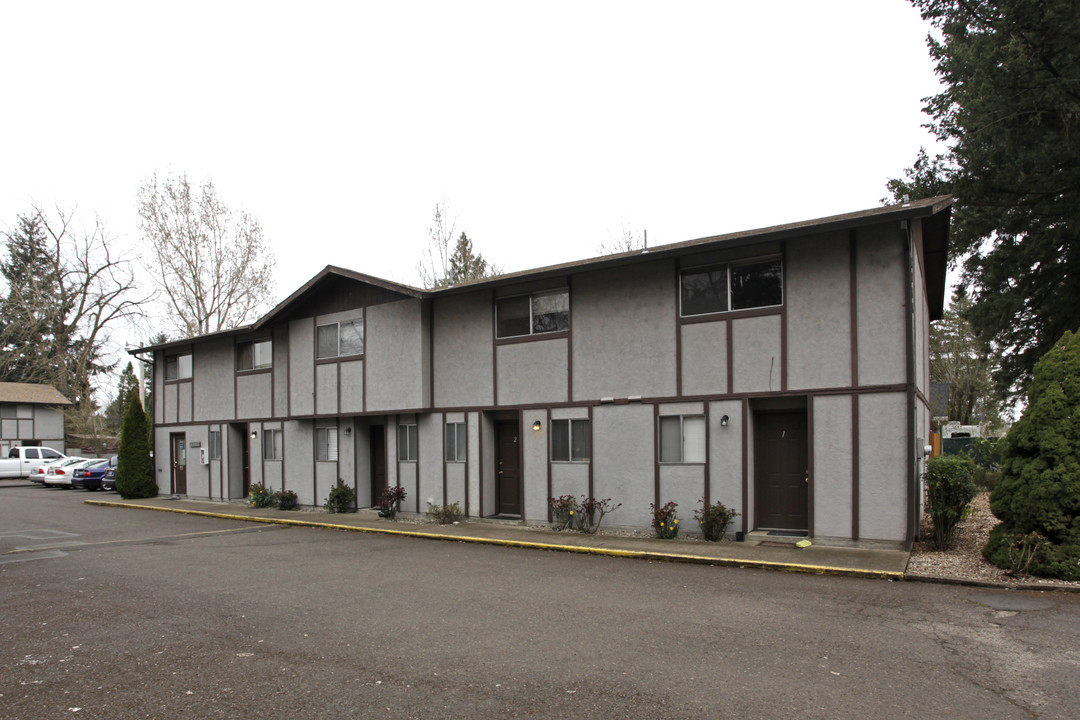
<point>31,394</point>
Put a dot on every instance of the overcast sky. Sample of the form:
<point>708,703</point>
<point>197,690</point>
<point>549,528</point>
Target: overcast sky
<point>547,127</point>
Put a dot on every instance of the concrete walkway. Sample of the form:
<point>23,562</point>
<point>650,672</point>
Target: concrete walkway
<point>856,562</point>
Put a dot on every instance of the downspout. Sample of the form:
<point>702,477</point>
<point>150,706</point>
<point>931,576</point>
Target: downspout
<point>909,290</point>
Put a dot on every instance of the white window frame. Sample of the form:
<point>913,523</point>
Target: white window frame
<point>457,447</point>
<point>558,427</point>
<point>255,354</point>
<point>532,297</point>
<point>694,455</point>
<point>358,322</point>
<point>726,268</point>
<point>326,443</point>
<point>182,371</point>
<point>407,450</point>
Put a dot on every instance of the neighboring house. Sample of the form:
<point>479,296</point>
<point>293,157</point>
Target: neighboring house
<point>31,414</point>
<point>782,371</point>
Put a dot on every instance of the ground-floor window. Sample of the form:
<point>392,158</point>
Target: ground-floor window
<point>406,442</point>
<point>272,445</point>
<point>570,441</point>
<point>326,444</point>
<point>682,439</point>
<point>215,444</point>
<point>456,439</point>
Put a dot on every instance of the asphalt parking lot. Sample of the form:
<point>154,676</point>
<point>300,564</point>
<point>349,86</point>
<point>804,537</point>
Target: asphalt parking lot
<point>114,613</point>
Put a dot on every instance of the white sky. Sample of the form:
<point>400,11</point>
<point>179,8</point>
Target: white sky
<point>548,127</point>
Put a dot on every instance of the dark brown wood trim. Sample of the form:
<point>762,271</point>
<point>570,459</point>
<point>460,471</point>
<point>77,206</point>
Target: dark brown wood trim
<point>521,462</point>
<point>732,315</point>
<point>363,367</point>
<point>708,432</point>
<point>262,456</point>
<point>416,421</point>
<point>730,358</point>
<point>468,445</point>
<point>909,331</point>
<point>678,330</point>
<point>810,465</point>
<point>236,387</point>
<point>853,302</point>
<point>443,416</point>
<point>569,346</point>
<point>854,467</point>
<point>480,442</point>
<point>494,354</point>
<point>747,526</point>
<point>548,463</point>
<point>273,376</point>
<point>256,371</point>
<point>431,359</point>
<point>315,366</point>
<point>288,373</point>
<point>592,453</point>
<point>561,334</point>
<point>656,454</point>
<point>783,317</point>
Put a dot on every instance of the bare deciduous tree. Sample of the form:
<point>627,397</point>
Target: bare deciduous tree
<point>435,258</point>
<point>211,263</point>
<point>626,241</point>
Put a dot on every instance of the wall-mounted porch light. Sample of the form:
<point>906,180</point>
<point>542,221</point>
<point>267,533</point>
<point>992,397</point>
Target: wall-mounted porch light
<point>254,434</point>
<point>348,431</point>
<point>536,426</point>
<point>724,421</point>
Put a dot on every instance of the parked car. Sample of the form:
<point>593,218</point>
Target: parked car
<point>91,474</point>
<point>59,474</point>
<point>109,481</point>
<point>25,461</point>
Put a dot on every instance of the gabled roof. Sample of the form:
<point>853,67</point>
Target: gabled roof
<point>31,394</point>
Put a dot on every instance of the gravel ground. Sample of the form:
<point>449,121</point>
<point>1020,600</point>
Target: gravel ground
<point>964,561</point>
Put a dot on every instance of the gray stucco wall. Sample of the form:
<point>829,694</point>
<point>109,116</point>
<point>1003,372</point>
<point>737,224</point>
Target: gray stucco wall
<point>326,388</point>
<point>534,457</point>
<point>832,465</point>
<point>883,454</point>
<point>624,328</point>
<point>880,291</point>
<point>756,349</point>
<point>394,356</point>
<point>48,423</point>
<point>704,358</point>
<point>352,386</point>
<point>213,380</point>
<point>725,457</point>
<point>430,453</point>
<point>253,396</point>
<point>532,372</point>
<point>623,460</point>
<point>818,312</point>
<point>462,337</point>
<point>297,467</point>
<point>487,481</point>
<point>281,370</point>
<point>302,366</point>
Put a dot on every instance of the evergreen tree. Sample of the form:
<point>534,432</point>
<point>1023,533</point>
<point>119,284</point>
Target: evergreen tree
<point>960,359</point>
<point>1010,115</point>
<point>1039,487</point>
<point>465,264</point>
<point>134,466</point>
<point>114,413</point>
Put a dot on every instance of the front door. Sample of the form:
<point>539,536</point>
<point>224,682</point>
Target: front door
<point>781,471</point>
<point>245,459</point>
<point>377,445</point>
<point>178,457</point>
<point>508,485</point>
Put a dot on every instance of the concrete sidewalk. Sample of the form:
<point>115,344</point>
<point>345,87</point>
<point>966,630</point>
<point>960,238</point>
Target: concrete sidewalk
<point>856,562</point>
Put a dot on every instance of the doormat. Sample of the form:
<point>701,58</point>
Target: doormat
<point>777,543</point>
<point>787,533</point>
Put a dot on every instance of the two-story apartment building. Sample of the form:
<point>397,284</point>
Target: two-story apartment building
<point>31,414</point>
<point>782,371</point>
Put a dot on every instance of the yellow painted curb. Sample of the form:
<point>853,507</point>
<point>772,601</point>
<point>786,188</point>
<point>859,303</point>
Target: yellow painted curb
<point>583,549</point>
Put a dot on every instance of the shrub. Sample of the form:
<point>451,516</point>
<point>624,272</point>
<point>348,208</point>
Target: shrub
<point>591,513</point>
<point>390,501</point>
<point>285,500</point>
<point>444,514</point>
<point>341,498</point>
<point>563,510</point>
<point>714,520</point>
<point>1039,487</point>
<point>949,489</point>
<point>260,496</point>
<point>665,521</point>
<point>134,467</point>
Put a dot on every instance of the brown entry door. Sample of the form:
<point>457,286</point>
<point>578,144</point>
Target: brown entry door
<point>508,484</point>
<point>178,452</point>
<point>377,440</point>
<point>781,471</point>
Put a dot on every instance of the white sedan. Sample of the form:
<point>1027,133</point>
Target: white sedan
<point>59,473</point>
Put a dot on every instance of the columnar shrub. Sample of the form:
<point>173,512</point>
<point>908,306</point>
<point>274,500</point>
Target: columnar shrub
<point>341,498</point>
<point>665,521</point>
<point>1039,487</point>
<point>714,520</point>
<point>950,487</point>
<point>134,467</point>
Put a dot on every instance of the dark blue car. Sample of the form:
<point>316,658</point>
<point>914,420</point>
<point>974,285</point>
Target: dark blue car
<point>91,476</point>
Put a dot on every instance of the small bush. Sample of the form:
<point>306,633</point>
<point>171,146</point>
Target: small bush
<point>260,496</point>
<point>390,501</point>
<point>286,500</point>
<point>563,510</point>
<point>714,520</point>
<point>665,521</point>
<point>949,489</point>
<point>591,513</point>
<point>341,498</point>
<point>444,514</point>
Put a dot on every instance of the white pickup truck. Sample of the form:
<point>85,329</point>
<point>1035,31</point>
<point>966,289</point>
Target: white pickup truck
<point>23,461</point>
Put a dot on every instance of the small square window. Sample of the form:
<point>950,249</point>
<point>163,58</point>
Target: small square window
<point>178,367</point>
<point>407,440</point>
<point>570,441</point>
<point>682,439</point>
<point>255,355</point>
<point>340,339</point>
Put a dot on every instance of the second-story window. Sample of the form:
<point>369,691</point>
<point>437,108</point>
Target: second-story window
<point>735,286</point>
<point>532,314</point>
<point>178,367</point>
<point>254,355</point>
<point>340,339</point>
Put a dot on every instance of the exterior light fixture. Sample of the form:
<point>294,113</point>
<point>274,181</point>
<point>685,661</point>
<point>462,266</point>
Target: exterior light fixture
<point>348,431</point>
<point>254,434</point>
<point>724,421</point>
<point>536,426</point>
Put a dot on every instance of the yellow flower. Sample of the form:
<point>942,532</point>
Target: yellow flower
<point>571,512</point>
<point>676,522</point>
